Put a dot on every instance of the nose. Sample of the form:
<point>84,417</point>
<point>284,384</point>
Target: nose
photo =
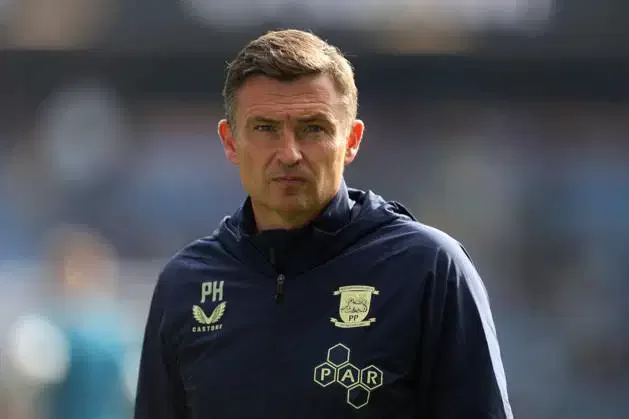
<point>289,153</point>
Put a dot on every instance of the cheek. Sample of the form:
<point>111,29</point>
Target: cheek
<point>328,159</point>
<point>336,155</point>
<point>253,162</point>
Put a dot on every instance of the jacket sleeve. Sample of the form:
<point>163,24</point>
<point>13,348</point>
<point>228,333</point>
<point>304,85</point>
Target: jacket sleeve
<point>462,375</point>
<point>160,392</point>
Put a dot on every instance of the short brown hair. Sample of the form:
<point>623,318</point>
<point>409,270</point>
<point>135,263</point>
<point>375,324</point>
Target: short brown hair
<point>287,55</point>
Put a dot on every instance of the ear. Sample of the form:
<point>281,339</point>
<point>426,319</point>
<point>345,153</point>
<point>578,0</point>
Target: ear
<point>228,140</point>
<point>353,140</point>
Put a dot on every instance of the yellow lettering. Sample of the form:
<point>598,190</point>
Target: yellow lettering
<point>212,328</point>
<point>372,377</point>
<point>213,288</point>
<point>348,374</point>
<point>217,291</point>
<point>324,373</point>
<point>206,290</point>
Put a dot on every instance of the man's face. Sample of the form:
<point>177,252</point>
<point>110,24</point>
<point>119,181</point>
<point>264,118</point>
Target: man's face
<point>291,142</point>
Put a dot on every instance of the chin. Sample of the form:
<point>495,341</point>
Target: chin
<point>292,206</point>
<point>292,203</point>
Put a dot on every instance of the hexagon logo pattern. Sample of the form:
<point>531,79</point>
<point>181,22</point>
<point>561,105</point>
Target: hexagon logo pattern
<point>338,369</point>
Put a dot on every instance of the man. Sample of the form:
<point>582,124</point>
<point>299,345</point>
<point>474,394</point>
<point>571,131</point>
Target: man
<point>70,353</point>
<point>314,300</point>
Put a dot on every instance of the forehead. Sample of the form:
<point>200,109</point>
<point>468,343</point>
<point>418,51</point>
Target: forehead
<point>262,96</point>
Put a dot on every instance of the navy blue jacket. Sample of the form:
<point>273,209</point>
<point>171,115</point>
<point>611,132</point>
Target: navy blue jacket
<point>364,313</point>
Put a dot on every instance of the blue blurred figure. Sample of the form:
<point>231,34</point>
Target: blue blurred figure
<point>94,327</point>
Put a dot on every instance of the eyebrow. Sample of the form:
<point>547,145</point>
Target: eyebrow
<point>304,119</point>
<point>263,120</point>
<point>315,117</point>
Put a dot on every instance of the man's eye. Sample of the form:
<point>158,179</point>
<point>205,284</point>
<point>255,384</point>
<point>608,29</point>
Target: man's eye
<point>264,128</point>
<point>314,128</point>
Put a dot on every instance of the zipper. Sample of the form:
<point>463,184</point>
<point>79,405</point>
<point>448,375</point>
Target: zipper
<point>279,282</point>
<point>279,289</point>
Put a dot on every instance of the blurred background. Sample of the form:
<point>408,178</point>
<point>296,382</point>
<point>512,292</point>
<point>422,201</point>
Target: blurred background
<point>502,122</point>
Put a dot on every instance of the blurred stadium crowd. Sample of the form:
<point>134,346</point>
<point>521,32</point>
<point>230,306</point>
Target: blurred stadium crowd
<point>515,144</point>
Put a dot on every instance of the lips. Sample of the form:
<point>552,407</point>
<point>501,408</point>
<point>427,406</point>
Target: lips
<point>289,179</point>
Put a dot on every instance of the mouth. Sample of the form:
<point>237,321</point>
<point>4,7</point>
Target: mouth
<point>289,180</point>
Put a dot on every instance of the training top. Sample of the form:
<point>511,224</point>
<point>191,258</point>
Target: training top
<point>363,313</point>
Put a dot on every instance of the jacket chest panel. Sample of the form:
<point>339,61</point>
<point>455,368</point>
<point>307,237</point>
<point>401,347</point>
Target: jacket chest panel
<point>333,341</point>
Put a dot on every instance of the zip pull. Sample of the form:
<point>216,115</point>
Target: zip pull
<point>279,289</point>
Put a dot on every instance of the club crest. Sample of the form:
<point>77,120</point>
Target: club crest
<point>355,302</point>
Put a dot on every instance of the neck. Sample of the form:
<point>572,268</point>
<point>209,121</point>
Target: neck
<point>268,219</point>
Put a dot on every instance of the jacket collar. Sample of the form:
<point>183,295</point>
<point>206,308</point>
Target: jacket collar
<point>296,250</point>
<point>335,215</point>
